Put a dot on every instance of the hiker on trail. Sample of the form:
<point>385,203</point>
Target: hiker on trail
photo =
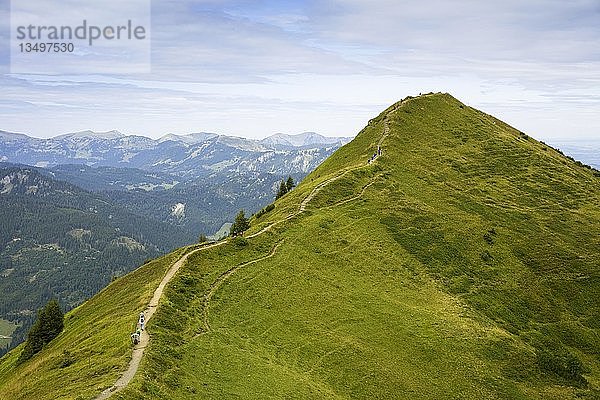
<point>142,320</point>
<point>378,150</point>
<point>135,337</point>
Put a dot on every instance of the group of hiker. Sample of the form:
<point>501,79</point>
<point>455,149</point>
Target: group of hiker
<point>135,336</point>
<point>375,155</point>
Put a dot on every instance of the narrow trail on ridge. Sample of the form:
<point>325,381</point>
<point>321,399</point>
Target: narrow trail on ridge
<point>138,350</point>
<point>219,281</point>
<point>358,196</point>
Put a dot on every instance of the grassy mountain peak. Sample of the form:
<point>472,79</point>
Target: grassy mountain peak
<point>461,263</point>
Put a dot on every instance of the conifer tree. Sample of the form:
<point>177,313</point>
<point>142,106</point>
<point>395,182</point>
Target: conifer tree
<point>240,225</point>
<point>289,184</point>
<point>49,324</point>
<point>282,190</point>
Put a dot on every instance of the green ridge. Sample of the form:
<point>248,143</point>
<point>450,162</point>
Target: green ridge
<point>462,263</point>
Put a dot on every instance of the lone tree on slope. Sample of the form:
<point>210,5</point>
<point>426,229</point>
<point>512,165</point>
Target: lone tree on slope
<point>49,324</point>
<point>289,184</point>
<point>285,186</point>
<point>240,225</point>
<point>282,190</point>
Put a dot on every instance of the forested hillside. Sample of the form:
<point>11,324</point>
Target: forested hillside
<point>58,240</point>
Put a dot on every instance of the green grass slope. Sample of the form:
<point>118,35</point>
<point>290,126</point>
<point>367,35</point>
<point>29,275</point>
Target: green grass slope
<point>94,347</point>
<point>463,263</point>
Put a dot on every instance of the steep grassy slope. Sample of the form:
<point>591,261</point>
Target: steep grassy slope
<point>94,345</point>
<point>463,263</point>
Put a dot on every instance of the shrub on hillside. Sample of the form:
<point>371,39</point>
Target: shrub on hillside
<point>66,359</point>
<point>239,241</point>
<point>489,236</point>
<point>265,210</point>
<point>486,256</point>
<point>563,364</point>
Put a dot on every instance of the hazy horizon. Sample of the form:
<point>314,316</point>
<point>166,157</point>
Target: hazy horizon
<point>126,134</point>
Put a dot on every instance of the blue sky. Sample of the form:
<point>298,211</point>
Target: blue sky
<point>253,68</point>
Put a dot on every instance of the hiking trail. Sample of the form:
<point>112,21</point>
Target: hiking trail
<point>138,350</point>
<point>219,281</point>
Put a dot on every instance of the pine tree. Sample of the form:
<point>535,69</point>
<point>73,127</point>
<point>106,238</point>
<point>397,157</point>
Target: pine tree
<point>49,324</point>
<point>240,224</point>
<point>289,184</point>
<point>282,190</point>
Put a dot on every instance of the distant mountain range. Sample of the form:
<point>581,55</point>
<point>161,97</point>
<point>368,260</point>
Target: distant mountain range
<point>81,207</point>
<point>186,156</point>
<point>211,175</point>
<point>58,240</point>
<point>306,139</point>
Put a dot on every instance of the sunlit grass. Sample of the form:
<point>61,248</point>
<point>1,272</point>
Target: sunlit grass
<point>462,264</point>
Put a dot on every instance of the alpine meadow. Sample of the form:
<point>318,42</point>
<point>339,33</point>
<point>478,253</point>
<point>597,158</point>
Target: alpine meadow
<point>441,254</point>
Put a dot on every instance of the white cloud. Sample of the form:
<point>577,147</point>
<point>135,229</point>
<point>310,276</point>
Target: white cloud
<point>255,68</point>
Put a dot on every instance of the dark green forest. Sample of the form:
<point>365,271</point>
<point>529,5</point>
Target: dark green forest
<point>57,240</point>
